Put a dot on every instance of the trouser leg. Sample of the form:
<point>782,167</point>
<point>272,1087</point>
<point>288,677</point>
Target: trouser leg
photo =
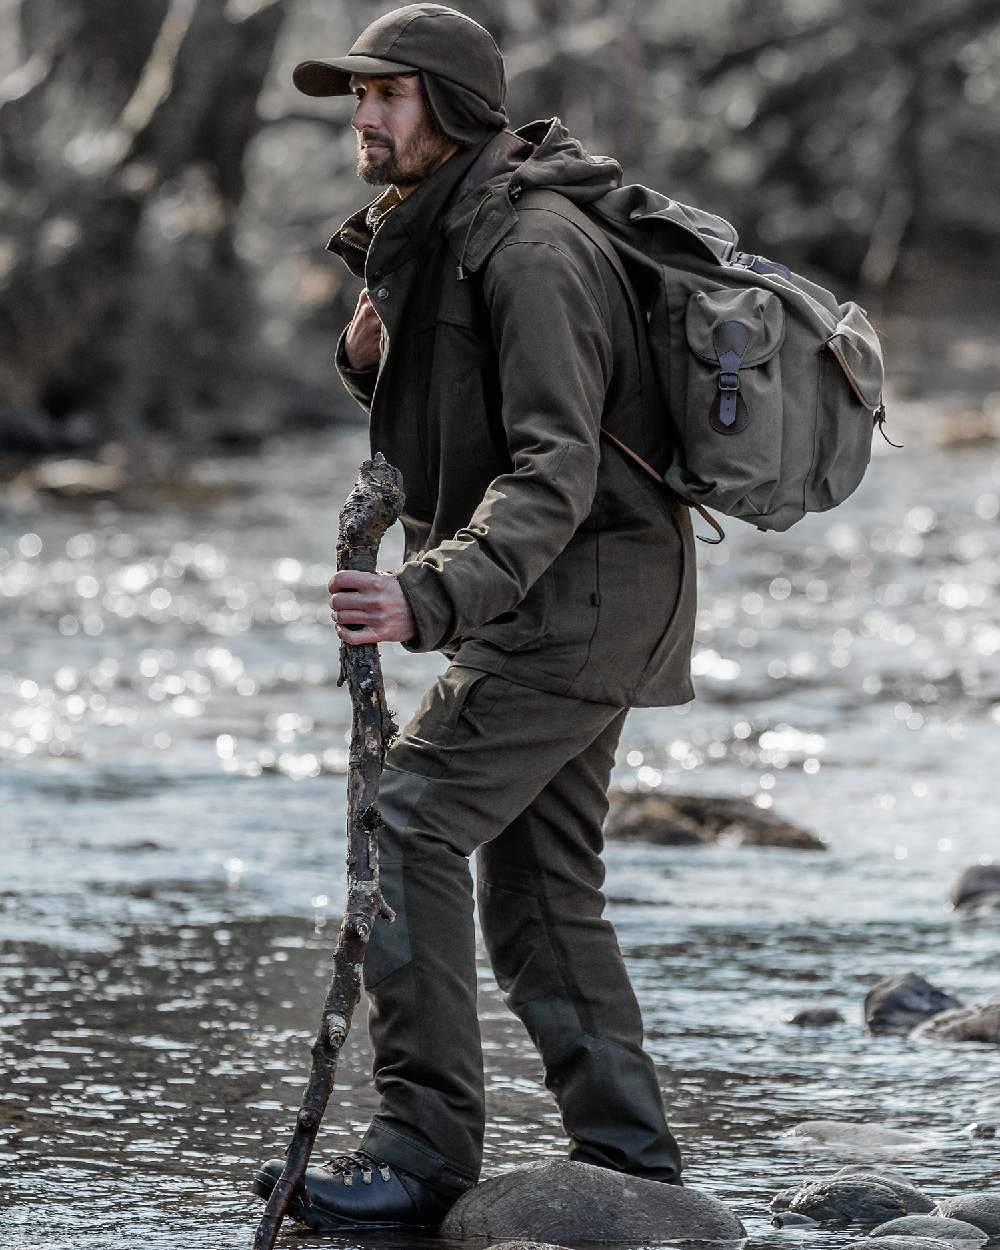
<point>477,753</point>
<point>558,962</point>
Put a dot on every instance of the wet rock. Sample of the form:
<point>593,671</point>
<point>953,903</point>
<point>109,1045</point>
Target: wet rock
<point>982,1210</point>
<point>789,1220</point>
<point>696,819</point>
<point>964,1024</point>
<point>815,1017</point>
<point>782,1200</point>
<point>980,1128</point>
<point>562,1201</point>
<point>935,1226</point>
<point>526,1245</point>
<point>855,1195</point>
<point>848,1200</point>
<point>861,1199</point>
<point>897,1004</point>
<point>907,1242</point>
<point>977,886</point>
<point>860,1136</point>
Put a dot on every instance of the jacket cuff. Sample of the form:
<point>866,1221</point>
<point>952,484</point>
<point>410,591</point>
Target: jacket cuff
<point>360,383</point>
<point>431,608</point>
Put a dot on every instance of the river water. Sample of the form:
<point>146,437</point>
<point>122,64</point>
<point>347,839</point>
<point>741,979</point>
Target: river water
<point>172,753</point>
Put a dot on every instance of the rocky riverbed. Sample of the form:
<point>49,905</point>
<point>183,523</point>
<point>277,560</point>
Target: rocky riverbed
<point>172,748</point>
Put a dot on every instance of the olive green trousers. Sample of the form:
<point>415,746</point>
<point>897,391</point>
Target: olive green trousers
<point>520,776</point>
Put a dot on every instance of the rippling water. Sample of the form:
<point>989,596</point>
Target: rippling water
<point>172,749</point>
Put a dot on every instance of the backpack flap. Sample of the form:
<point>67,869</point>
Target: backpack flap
<point>730,424</point>
<point>670,226</point>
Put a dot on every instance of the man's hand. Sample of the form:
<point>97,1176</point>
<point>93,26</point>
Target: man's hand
<point>361,346</point>
<point>375,602</point>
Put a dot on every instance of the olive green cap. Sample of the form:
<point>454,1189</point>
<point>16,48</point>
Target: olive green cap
<point>428,37</point>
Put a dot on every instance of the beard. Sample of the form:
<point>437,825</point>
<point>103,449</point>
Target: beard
<point>404,165</point>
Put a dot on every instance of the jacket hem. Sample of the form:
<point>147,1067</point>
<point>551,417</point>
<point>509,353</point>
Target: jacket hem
<point>523,672</point>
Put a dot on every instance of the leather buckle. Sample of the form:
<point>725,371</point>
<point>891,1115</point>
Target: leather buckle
<point>729,381</point>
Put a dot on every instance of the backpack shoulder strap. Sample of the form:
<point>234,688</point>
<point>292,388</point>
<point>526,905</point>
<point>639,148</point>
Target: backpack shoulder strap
<point>562,207</point>
<point>559,204</point>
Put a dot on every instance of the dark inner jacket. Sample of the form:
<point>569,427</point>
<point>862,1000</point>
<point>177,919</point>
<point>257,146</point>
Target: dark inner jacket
<point>534,548</point>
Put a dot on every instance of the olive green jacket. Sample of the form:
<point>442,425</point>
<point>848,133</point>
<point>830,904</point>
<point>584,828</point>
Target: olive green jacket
<point>534,548</point>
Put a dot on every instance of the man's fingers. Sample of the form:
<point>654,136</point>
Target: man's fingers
<point>357,636</point>
<point>353,600</point>
<point>344,616</point>
<point>353,579</point>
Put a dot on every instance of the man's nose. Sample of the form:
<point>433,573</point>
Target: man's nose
<point>364,116</point>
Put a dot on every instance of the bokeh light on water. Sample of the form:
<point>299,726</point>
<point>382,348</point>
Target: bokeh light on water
<point>172,751</point>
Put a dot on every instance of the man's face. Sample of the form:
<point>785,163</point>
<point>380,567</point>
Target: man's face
<point>398,142</point>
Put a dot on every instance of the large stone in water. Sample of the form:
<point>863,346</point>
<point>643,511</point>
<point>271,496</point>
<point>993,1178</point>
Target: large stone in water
<point>696,819</point>
<point>859,1199</point>
<point>937,1226</point>
<point>576,1202</point>
<point>902,1241</point>
<point>978,884</point>
<point>897,1004</point>
<point>815,1017</point>
<point>526,1245</point>
<point>983,1210</point>
<point>914,1199</point>
<point>964,1024</point>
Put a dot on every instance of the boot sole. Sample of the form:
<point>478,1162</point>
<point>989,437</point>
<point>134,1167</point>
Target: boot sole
<point>322,1220</point>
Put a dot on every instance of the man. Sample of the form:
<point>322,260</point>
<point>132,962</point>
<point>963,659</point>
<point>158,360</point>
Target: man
<point>491,345</point>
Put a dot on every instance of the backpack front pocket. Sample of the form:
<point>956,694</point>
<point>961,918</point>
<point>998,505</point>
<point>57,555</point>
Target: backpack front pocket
<point>731,423</point>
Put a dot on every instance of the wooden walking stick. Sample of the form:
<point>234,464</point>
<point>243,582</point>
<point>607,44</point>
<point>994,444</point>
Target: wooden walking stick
<point>372,506</point>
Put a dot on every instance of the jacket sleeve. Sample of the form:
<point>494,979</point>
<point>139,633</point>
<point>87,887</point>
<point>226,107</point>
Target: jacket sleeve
<point>360,383</point>
<point>555,359</point>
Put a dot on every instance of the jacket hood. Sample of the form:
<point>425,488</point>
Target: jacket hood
<point>540,156</point>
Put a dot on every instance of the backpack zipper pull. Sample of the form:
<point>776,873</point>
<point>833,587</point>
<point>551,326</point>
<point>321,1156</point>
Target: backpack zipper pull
<point>879,420</point>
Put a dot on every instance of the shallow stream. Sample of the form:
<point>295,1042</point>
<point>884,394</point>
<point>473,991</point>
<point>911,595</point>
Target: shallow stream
<point>172,750</point>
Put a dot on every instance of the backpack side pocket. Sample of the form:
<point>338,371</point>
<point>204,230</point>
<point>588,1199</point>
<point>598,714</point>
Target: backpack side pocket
<point>731,423</point>
<point>850,391</point>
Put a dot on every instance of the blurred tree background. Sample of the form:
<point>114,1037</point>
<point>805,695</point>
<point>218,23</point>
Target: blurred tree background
<point>165,194</point>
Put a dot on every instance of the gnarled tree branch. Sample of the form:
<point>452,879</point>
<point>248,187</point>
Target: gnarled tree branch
<point>372,506</point>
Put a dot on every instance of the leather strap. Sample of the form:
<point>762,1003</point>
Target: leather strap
<point>731,340</point>
<point>644,464</point>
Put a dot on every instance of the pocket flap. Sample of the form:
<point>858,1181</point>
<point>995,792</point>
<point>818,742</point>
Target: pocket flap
<point>756,312</point>
<point>855,345</point>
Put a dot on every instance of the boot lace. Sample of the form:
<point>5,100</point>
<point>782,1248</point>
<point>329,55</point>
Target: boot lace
<point>347,1166</point>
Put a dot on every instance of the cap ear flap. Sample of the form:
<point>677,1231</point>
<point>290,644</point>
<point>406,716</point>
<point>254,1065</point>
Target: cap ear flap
<point>460,113</point>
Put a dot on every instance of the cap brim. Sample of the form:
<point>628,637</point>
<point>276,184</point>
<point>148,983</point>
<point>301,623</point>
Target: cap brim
<point>334,77</point>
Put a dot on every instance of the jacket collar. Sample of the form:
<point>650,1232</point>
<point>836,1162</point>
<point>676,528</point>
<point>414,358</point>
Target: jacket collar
<point>409,225</point>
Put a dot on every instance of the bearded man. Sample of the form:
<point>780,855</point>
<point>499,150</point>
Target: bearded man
<point>492,346</point>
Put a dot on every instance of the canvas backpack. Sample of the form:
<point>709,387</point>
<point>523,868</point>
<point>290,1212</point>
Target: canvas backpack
<point>772,386</point>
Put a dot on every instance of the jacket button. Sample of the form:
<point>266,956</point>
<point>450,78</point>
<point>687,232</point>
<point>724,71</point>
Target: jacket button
<point>382,292</point>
